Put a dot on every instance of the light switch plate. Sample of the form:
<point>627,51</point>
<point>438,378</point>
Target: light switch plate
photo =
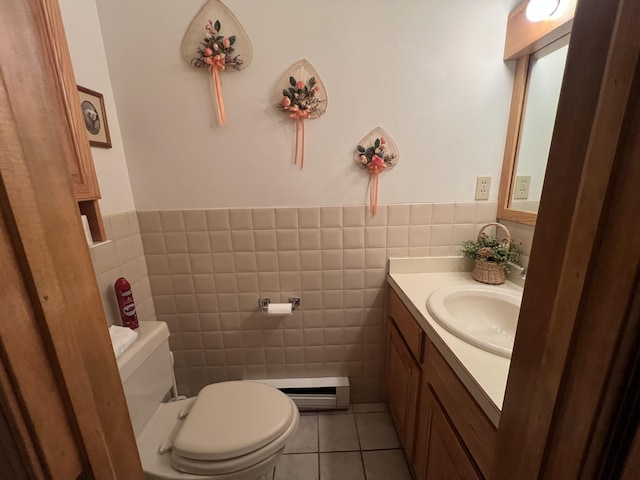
<point>521,188</point>
<point>483,186</point>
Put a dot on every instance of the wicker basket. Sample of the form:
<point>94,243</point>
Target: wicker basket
<point>490,272</point>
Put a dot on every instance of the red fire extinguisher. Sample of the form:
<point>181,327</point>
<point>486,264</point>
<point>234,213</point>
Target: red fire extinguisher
<point>125,303</point>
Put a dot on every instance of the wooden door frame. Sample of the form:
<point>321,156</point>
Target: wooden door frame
<point>60,387</point>
<point>577,339</point>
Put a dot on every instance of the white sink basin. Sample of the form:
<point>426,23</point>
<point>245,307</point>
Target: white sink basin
<point>483,316</point>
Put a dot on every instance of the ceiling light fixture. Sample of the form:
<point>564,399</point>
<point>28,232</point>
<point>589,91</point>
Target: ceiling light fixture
<point>539,10</point>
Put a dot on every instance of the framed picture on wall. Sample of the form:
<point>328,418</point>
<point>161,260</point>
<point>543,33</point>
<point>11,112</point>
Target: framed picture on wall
<point>95,117</point>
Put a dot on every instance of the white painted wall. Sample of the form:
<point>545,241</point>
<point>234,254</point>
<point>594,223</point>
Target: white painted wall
<point>84,36</point>
<point>430,72</point>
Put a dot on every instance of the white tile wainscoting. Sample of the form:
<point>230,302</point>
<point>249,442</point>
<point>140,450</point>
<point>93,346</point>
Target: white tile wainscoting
<point>207,269</point>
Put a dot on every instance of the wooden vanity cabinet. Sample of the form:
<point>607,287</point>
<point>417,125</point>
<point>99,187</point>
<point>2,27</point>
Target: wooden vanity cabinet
<point>403,379</point>
<point>442,453</point>
<point>443,431</point>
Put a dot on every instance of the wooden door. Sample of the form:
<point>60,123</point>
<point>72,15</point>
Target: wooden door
<point>567,410</point>
<point>403,383</point>
<point>61,397</point>
<point>445,457</point>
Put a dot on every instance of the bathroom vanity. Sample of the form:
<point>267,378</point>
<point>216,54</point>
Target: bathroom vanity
<point>445,395</point>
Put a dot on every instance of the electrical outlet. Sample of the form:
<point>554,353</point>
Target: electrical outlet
<point>483,186</point>
<point>521,188</point>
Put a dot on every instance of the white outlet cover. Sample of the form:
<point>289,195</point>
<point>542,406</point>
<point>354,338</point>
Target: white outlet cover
<point>483,187</point>
<point>521,187</point>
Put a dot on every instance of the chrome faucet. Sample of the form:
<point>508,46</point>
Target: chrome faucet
<point>522,270</point>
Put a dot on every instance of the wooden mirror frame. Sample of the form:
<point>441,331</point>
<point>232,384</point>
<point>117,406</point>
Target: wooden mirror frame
<point>523,39</point>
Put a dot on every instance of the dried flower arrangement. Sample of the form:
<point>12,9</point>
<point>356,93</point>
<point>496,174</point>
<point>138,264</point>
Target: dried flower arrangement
<point>375,158</point>
<point>217,52</point>
<point>300,93</point>
<point>380,154</point>
<point>217,49</point>
<point>300,102</point>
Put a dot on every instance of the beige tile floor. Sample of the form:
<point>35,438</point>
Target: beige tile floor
<point>356,444</point>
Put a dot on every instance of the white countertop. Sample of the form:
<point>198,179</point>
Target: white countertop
<point>483,373</point>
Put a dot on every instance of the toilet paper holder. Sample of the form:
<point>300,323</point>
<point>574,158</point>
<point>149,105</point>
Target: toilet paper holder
<point>263,303</point>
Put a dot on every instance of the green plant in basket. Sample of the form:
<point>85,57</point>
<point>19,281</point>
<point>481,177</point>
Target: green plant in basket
<point>491,249</point>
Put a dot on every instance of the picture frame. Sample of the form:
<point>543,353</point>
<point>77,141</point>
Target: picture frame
<point>95,117</point>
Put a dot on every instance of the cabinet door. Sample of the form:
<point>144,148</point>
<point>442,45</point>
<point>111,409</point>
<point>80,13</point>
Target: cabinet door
<point>403,383</point>
<point>446,457</point>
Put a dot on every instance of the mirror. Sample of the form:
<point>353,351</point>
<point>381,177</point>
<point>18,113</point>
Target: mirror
<point>540,49</point>
<point>546,69</point>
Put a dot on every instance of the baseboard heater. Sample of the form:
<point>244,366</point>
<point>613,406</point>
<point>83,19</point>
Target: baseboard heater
<point>325,393</point>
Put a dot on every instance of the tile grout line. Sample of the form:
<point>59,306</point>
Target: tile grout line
<point>318,444</point>
<point>364,471</point>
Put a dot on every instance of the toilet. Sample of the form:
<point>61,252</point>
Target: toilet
<point>233,430</point>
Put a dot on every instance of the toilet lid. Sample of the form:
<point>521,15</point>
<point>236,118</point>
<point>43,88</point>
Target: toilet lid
<point>230,419</point>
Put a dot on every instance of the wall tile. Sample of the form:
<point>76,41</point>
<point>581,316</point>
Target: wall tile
<point>218,220</point>
<point>287,240</point>
<point>465,213</point>
<point>264,219</point>
<point>201,263</point>
<point>442,213</point>
<point>245,262</point>
<point>310,280</point>
<point>182,284</point>
<point>176,242</point>
<point>353,279</point>
<point>397,237</point>
<point>441,235</point>
<point>332,280</point>
<point>149,222</point>
<point>289,261</point>
<point>379,220</point>
<point>353,259</point>
<point>242,241</point>
<point>268,281</point>
<point>486,212</point>
<point>223,263</point>
<point>179,263</point>
<point>312,319</point>
<point>225,283</point>
<point>331,217</point>
<point>265,240</point>
<point>331,238</point>
<point>375,237</point>
<point>220,242</point>
<point>309,217</point>
<point>420,214</point>
<point>247,282</point>
<point>153,243</point>
<point>354,216</point>
<point>120,227</point>
<point>198,242</point>
<point>332,260</point>
<point>172,221</point>
<point>195,220</point>
<point>241,219</point>
<point>286,218</point>
<point>353,237</point>
<point>309,239</point>
<point>398,215</point>
<point>206,284</point>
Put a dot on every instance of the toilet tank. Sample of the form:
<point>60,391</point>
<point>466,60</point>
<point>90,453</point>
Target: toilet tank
<point>146,372</point>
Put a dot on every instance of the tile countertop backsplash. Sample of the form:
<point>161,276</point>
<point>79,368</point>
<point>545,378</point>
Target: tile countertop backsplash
<point>483,373</point>
<point>207,269</point>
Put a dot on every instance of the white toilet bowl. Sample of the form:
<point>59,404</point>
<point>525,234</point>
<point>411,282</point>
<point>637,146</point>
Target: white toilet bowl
<point>231,431</point>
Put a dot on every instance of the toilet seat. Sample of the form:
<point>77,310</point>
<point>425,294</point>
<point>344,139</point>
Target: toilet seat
<point>233,430</point>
